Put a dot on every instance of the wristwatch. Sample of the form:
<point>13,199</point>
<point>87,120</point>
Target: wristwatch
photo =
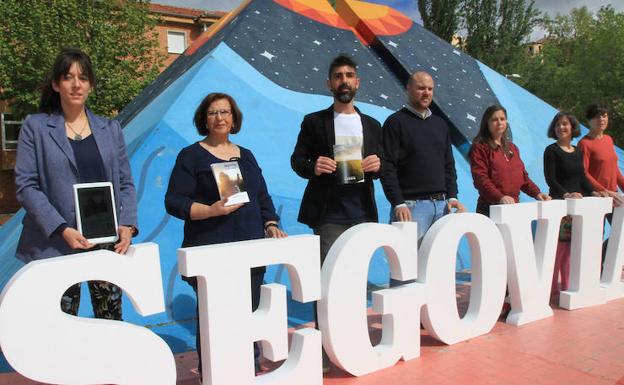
<point>133,229</point>
<point>272,224</point>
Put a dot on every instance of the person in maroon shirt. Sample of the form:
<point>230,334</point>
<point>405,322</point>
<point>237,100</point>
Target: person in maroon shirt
<point>497,170</point>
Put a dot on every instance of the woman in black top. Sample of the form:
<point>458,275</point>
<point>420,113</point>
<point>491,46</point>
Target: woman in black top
<point>563,162</point>
<point>193,193</point>
<point>565,175</point>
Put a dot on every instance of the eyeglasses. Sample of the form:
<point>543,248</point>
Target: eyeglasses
<point>224,113</point>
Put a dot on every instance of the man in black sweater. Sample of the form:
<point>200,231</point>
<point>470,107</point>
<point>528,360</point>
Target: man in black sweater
<point>331,205</point>
<point>418,174</point>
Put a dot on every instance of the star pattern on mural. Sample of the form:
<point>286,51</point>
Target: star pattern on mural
<point>461,90</point>
<point>267,55</point>
<point>297,52</point>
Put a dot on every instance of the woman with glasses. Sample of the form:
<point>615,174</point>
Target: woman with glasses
<point>194,194</point>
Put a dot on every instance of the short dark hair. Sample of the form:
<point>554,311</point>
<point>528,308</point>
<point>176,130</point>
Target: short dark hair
<point>341,60</point>
<point>51,100</point>
<point>594,110</point>
<point>576,131</point>
<point>200,117</point>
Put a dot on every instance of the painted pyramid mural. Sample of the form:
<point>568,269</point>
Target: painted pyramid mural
<point>272,56</point>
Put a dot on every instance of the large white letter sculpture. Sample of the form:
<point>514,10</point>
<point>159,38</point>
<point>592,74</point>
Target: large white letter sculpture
<point>614,261</point>
<point>436,267</point>
<point>529,263</point>
<point>228,325</point>
<point>585,261</point>
<point>45,344</point>
<point>342,310</point>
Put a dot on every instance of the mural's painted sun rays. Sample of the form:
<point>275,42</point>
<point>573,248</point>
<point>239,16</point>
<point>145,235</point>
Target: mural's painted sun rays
<point>366,20</point>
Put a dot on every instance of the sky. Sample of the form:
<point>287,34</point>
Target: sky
<point>553,7</point>
<point>550,6</point>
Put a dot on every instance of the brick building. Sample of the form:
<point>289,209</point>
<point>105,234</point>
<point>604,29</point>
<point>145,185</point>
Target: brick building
<point>177,29</point>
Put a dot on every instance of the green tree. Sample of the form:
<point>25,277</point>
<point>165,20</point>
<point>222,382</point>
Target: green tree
<point>497,29</point>
<point>117,34</point>
<point>480,18</point>
<point>441,17</point>
<point>582,62</point>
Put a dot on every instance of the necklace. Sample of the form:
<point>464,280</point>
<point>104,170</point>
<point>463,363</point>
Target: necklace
<point>78,135</point>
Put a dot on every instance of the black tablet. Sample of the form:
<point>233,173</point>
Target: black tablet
<point>95,211</point>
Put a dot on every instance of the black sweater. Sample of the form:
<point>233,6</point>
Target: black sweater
<point>418,159</point>
<point>564,172</point>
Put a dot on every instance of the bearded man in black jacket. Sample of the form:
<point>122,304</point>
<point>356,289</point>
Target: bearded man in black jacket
<point>328,206</point>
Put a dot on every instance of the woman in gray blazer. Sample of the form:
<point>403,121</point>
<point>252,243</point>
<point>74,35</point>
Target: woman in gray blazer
<point>63,145</point>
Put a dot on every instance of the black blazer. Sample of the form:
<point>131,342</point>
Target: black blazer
<point>317,138</point>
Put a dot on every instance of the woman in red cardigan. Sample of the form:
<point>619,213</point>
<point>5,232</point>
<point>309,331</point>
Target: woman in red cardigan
<point>497,170</point>
<point>599,157</point>
<point>600,160</point>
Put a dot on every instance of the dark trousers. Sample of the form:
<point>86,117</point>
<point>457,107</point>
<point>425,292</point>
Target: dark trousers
<point>105,296</point>
<point>105,299</point>
<point>328,234</point>
<point>256,282</point>
<point>605,243</point>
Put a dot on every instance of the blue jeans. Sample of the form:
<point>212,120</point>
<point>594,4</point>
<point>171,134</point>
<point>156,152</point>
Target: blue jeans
<point>424,212</point>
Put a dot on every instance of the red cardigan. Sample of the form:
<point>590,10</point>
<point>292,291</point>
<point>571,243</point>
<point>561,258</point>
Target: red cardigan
<point>495,176</point>
<point>601,163</point>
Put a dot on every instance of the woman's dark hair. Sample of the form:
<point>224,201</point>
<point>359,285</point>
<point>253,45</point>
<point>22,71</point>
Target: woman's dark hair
<point>576,131</point>
<point>484,135</point>
<point>594,110</point>
<point>200,118</point>
<point>50,99</point>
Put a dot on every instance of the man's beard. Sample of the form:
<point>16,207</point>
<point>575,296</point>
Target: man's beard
<point>342,96</point>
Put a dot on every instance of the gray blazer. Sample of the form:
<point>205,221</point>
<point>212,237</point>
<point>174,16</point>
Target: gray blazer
<point>45,172</point>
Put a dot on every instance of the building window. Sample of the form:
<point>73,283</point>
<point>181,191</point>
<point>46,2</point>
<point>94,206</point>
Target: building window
<point>176,42</point>
<point>10,132</point>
